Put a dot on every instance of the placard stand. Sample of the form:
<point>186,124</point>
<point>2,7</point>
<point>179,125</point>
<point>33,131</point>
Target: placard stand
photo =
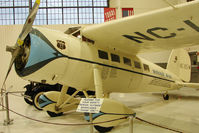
<point>91,121</point>
<point>131,119</point>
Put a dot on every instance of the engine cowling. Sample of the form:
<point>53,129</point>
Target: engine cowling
<point>43,57</point>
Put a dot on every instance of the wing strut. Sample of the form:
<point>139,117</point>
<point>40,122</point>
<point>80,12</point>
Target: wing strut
<point>98,81</point>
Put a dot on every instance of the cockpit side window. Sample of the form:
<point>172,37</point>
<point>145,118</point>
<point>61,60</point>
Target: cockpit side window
<point>146,67</point>
<point>103,54</point>
<point>127,61</point>
<point>137,64</point>
<point>115,58</point>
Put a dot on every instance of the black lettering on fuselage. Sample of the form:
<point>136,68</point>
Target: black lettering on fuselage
<point>192,25</point>
<point>138,38</point>
<point>152,32</point>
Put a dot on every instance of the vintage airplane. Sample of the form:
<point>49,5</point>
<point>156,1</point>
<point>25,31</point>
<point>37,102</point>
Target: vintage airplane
<point>103,58</point>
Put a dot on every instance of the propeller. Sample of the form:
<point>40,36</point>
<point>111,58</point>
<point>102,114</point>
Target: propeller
<point>18,48</point>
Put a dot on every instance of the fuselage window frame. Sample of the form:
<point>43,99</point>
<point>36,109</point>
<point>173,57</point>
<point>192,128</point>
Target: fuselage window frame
<point>146,67</point>
<point>137,64</point>
<point>115,58</point>
<point>103,55</point>
<point>127,61</point>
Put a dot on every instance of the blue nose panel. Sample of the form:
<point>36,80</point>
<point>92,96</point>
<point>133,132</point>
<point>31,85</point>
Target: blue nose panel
<point>40,51</point>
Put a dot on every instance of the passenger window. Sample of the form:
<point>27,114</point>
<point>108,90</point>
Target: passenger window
<point>115,58</point>
<point>137,64</point>
<point>146,67</point>
<point>103,54</point>
<point>127,61</point>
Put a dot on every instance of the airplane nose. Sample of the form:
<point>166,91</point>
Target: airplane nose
<point>41,52</point>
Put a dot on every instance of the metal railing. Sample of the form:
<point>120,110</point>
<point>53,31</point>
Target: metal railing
<point>131,118</point>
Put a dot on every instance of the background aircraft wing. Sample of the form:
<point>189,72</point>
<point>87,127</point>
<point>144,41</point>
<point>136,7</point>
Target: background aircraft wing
<point>163,29</point>
<point>190,85</point>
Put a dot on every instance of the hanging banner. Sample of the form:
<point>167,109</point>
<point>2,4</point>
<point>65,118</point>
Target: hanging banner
<point>127,12</point>
<point>109,14</point>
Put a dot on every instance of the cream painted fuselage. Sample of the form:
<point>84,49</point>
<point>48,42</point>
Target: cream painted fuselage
<point>74,64</point>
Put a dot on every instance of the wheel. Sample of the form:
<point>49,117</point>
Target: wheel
<point>27,97</point>
<point>36,98</point>
<point>103,129</point>
<point>53,114</point>
<point>166,96</point>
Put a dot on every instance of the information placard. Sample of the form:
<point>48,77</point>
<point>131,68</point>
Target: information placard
<point>90,105</point>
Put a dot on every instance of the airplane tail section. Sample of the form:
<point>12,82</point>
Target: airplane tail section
<point>180,64</point>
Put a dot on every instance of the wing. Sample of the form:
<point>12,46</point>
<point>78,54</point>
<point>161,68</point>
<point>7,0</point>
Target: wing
<point>164,29</point>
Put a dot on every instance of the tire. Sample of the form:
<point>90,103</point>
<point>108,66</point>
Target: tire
<point>28,100</point>
<point>166,97</point>
<point>36,98</point>
<point>103,129</point>
<point>53,114</point>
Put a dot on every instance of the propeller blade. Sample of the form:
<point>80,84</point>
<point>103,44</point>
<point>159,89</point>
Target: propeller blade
<point>8,72</point>
<point>15,50</point>
<point>28,24</point>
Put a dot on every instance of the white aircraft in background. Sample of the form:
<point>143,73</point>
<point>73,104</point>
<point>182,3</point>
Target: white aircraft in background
<point>103,58</point>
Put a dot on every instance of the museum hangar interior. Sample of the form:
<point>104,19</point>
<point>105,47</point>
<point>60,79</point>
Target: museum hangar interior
<point>153,113</point>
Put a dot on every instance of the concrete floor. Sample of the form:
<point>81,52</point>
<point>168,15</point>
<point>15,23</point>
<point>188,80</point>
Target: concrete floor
<point>181,113</point>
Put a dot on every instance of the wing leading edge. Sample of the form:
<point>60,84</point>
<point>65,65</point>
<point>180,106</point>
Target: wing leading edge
<point>163,29</point>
